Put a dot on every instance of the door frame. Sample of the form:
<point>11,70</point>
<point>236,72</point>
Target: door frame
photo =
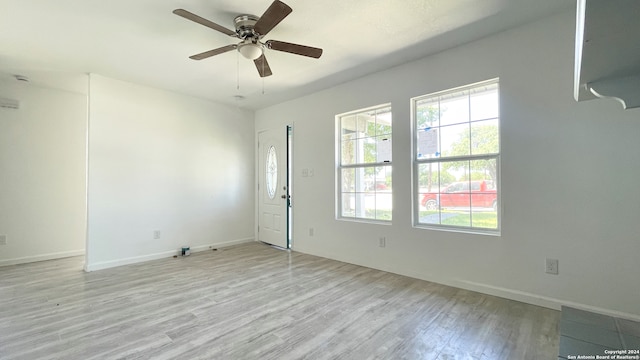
<point>288,180</point>
<point>289,156</point>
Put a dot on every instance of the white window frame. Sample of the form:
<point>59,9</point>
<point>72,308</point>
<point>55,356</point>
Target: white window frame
<point>416,200</point>
<point>363,165</point>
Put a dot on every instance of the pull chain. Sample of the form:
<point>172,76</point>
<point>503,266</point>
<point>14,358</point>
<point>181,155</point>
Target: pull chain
<point>238,71</point>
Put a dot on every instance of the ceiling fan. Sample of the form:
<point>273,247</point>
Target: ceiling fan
<point>251,29</point>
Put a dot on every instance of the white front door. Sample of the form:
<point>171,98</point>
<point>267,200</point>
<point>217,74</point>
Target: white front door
<point>272,187</point>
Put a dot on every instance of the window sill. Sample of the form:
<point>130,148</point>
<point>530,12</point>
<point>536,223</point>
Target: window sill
<point>462,230</point>
<point>365,221</point>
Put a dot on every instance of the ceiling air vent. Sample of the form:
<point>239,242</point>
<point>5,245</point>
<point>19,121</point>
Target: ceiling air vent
<point>9,103</point>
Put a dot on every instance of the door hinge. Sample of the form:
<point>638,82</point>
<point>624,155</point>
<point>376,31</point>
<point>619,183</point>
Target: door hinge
<point>258,228</point>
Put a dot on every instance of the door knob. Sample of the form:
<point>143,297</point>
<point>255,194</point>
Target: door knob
<point>284,196</point>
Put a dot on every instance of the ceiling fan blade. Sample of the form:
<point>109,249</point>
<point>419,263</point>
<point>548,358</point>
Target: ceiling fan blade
<point>294,48</point>
<point>263,66</point>
<point>272,17</point>
<point>213,52</point>
<point>202,21</point>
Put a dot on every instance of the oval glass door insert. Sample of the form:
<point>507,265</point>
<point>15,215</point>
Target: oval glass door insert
<point>272,172</point>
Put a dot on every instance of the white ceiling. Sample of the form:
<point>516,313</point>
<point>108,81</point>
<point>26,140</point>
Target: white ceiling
<point>142,41</point>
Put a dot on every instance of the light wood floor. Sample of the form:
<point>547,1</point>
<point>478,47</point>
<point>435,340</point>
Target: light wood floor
<point>254,302</point>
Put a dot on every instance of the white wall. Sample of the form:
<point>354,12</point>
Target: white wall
<point>163,161</point>
<point>42,173</point>
<point>569,177</point>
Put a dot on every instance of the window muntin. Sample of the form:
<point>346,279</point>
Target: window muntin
<point>456,158</point>
<point>364,166</point>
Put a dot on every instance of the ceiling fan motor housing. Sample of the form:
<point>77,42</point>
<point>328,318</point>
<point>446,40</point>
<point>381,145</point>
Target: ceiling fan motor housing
<point>244,26</point>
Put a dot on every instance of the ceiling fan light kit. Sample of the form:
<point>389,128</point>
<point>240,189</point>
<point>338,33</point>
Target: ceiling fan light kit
<point>250,50</point>
<point>250,29</point>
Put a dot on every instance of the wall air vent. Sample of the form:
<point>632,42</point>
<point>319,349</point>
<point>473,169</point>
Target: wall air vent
<point>9,103</point>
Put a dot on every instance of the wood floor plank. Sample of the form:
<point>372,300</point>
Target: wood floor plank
<point>252,301</point>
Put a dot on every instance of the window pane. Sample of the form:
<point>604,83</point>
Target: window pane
<point>358,144</point>
<point>428,177</point>
<point>484,203</point>
<point>383,121</point>
<point>359,205</point>
<point>383,129</point>
<point>383,179</point>
<point>427,114</point>
<point>361,179</point>
<point>348,150</point>
<point>484,104</point>
<point>384,205</point>
<point>369,203</point>
<point>456,174</point>
<point>429,216</point>
<point>429,193</point>
<point>348,177</point>
<point>456,197</point>
<point>456,218</point>
<point>483,218</point>
<point>484,137</point>
<point>366,150</point>
<point>484,196</point>
<point>486,171</point>
<point>367,124</point>
<point>455,140</point>
<point>348,205</point>
<point>429,212</point>
<point>348,125</point>
<point>454,111</point>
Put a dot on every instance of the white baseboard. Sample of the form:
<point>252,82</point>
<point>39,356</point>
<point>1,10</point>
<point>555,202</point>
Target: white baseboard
<point>127,261</point>
<point>43,257</point>
<point>221,244</point>
<point>521,296</point>
<point>544,301</point>
<point>161,255</point>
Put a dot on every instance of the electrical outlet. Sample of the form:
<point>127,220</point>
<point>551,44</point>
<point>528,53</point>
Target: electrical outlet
<point>551,266</point>
<point>156,234</point>
<point>383,241</point>
<point>3,239</point>
<point>310,231</point>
